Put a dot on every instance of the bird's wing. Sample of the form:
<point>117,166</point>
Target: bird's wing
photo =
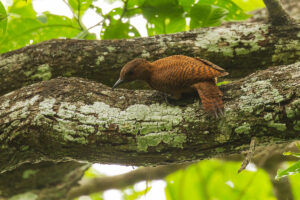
<point>219,70</point>
<point>211,97</point>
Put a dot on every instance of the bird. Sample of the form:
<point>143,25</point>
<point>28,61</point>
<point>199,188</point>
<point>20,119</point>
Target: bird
<point>179,74</point>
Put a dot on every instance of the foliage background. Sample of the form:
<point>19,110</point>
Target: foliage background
<point>21,25</point>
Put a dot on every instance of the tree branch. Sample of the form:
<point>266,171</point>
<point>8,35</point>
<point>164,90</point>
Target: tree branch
<point>120,181</point>
<point>240,49</point>
<point>48,180</point>
<point>85,120</point>
<point>277,15</point>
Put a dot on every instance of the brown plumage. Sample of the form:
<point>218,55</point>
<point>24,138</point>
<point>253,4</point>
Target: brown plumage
<point>179,74</point>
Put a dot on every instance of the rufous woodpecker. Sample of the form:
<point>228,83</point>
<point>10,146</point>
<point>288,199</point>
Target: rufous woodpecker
<point>179,74</point>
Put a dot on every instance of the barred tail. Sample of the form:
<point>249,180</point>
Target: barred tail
<point>211,98</point>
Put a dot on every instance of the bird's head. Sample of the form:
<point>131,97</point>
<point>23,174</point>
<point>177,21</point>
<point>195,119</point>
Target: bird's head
<point>137,69</point>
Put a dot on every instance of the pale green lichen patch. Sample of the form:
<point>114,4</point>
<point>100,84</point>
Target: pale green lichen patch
<point>220,149</point>
<point>225,127</point>
<point>285,56</point>
<point>138,119</point>
<point>19,109</point>
<point>111,49</point>
<point>237,42</point>
<point>245,128</point>
<point>290,112</point>
<point>66,110</point>
<point>297,126</point>
<point>43,72</point>
<point>257,94</point>
<point>154,139</point>
<point>99,60</point>
<point>28,173</point>
<point>24,196</point>
<point>6,64</point>
<point>145,54</point>
<point>46,107</point>
<point>268,116</point>
<point>277,126</point>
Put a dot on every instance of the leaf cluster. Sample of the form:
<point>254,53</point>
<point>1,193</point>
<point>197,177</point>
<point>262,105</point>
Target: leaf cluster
<point>21,25</point>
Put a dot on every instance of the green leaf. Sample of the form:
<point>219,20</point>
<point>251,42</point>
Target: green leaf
<point>26,31</point>
<point>118,30</point>
<point>163,16</point>
<point>294,169</point>
<point>186,4</point>
<point>96,196</point>
<point>22,8</point>
<point>85,35</point>
<point>79,6</point>
<point>215,179</point>
<point>3,20</point>
<point>135,3</point>
<point>249,5</point>
<point>291,154</point>
<point>234,12</point>
<point>205,15</point>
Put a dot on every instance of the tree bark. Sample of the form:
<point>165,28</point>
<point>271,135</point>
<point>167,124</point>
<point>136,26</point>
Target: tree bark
<point>84,120</point>
<point>239,48</point>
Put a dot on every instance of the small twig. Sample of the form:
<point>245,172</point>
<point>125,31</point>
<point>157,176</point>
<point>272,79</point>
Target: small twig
<point>123,180</point>
<point>249,156</point>
<point>76,17</point>
<point>277,15</point>
<point>124,9</point>
<point>98,24</point>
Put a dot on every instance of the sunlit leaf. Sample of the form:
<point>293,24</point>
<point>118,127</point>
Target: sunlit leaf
<point>3,20</point>
<point>163,16</point>
<point>294,169</point>
<point>26,31</point>
<point>234,12</point>
<point>205,15</point>
<point>186,4</point>
<point>22,8</point>
<point>223,83</point>
<point>79,6</point>
<point>291,154</point>
<point>119,30</point>
<point>96,196</point>
<point>218,180</point>
<point>249,5</point>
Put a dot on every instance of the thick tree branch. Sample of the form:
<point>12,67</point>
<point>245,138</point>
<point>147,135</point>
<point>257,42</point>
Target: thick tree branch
<point>45,180</point>
<point>261,15</point>
<point>268,158</point>
<point>239,48</point>
<point>277,15</point>
<point>87,121</point>
<point>120,181</point>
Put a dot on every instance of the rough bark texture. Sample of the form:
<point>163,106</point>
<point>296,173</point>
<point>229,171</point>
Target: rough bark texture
<point>239,48</point>
<point>277,14</point>
<point>85,120</point>
<point>261,15</point>
<point>43,180</point>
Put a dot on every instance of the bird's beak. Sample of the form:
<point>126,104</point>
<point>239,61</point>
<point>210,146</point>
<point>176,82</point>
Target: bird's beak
<point>117,83</point>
